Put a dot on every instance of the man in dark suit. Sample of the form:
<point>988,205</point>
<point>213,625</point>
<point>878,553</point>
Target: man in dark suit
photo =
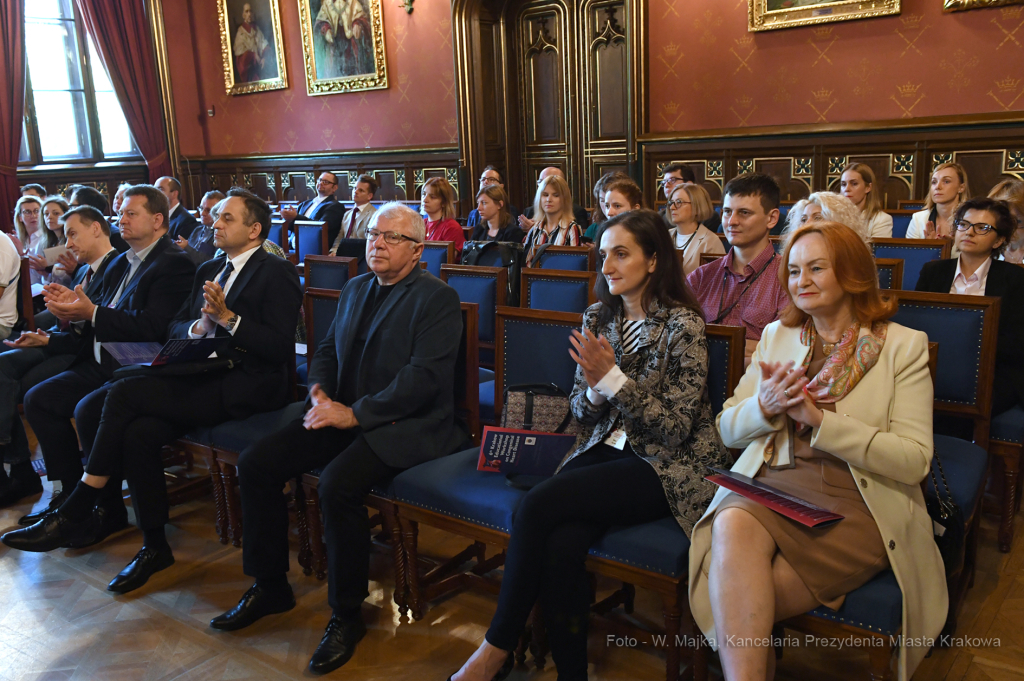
<point>248,298</point>
<point>381,401</point>
<point>983,228</point>
<point>32,360</point>
<point>180,222</point>
<point>580,214</point>
<point>142,291</point>
<point>325,207</point>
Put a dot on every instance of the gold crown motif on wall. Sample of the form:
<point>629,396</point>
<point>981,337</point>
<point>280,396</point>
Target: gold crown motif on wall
<point>1008,84</point>
<point>908,90</point>
<point>822,95</point>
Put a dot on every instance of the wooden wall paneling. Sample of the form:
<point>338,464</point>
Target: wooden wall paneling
<point>296,186</point>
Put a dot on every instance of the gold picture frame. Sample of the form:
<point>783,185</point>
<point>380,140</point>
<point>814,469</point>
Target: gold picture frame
<point>343,45</point>
<point>768,15</point>
<point>961,5</point>
<point>251,46</point>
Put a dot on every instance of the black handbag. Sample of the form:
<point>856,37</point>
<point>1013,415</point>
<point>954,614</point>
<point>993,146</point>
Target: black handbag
<point>948,522</point>
<point>507,254</point>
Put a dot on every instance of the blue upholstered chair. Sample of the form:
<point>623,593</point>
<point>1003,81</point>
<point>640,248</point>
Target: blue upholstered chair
<point>557,290</point>
<point>890,273</point>
<point>911,205</point>
<point>487,287</point>
<point>914,253</point>
<point>437,253</point>
<point>310,238</point>
<point>276,233</point>
<point>329,272</point>
<point>900,222</point>
<point>576,258</point>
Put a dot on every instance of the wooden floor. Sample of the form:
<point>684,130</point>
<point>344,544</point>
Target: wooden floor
<point>57,621</point>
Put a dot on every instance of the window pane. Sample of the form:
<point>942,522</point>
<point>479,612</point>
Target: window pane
<point>117,140</point>
<point>100,81</point>
<point>56,118</point>
<point>23,155</point>
<point>52,55</point>
<point>44,8</point>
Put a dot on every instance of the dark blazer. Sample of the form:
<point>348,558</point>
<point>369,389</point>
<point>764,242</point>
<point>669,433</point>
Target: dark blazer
<point>1005,281</point>
<point>580,214</point>
<point>266,295</point>
<point>93,290</point>
<point>146,306</point>
<point>330,211</point>
<point>474,216</point>
<point>407,371</point>
<point>512,232</point>
<point>181,224</point>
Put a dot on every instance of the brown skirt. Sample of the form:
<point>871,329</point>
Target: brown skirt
<point>834,560</point>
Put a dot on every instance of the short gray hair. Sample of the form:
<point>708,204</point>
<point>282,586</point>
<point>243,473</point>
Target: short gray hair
<point>834,208</point>
<point>393,210</point>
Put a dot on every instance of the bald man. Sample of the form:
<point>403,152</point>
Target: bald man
<point>579,213</point>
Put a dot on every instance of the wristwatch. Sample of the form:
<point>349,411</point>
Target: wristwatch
<point>232,323</point>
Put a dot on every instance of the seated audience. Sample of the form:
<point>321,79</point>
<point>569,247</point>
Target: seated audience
<point>438,204</point>
<point>600,212</point>
<point>1011,190</point>
<point>27,212</point>
<point>688,208</point>
<point>249,299</point>
<point>36,190</point>
<point>33,360</point>
<point>742,288</point>
<point>857,184</point>
<point>142,291</point>
<point>555,224</point>
<point>323,207</point>
<point>948,190</point>
<point>647,439</point>
<point>528,218</point>
<point>355,221</point>
<point>181,221</point>
<point>381,379</point>
<point>199,245</point>
<point>983,228</point>
<point>491,177</point>
<point>826,207</point>
<point>53,209</point>
<point>494,222</point>
<point>751,567</point>
<point>672,176</point>
<point>87,196</point>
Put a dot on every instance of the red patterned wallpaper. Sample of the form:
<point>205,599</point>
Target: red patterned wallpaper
<point>417,109</point>
<point>708,72</point>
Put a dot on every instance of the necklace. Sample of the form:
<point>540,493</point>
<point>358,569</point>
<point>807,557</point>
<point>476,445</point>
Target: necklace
<point>827,348</point>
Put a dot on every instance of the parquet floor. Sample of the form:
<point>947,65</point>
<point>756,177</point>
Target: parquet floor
<point>58,622</point>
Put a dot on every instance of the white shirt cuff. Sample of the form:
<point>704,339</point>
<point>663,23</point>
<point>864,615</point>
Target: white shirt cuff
<point>94,311</point>
<point>596,398</point>
<point>234,330</point>
<point>192,334</point>
<point>611,383</point>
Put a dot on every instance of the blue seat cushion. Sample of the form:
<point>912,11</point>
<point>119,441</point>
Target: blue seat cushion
<point>486,375</point>
<point>1009,426</point>
<point>452,486</point>
<point>200,436</point>
<point>235,436</point>
<point>965,465</point>
<point>876,606</point>
<point>487,401</point>
<point>660,546</point>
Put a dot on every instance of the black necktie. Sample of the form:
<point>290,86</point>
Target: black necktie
<point>223,281</point>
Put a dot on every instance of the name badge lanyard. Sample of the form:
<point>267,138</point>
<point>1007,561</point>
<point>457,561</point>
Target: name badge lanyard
<point>722,314</point>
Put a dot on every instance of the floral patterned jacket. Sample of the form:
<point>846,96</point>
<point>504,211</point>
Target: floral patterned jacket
<point>665,408</point>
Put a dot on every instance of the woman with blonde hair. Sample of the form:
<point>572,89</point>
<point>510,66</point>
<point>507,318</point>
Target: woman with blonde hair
<point>552,210</point>
<point>1011,192</point>
<point>826,207</point>
<point>689,206</point>
<point>27,214</point>
<point>948,190</point>
<point>437,202</point>
<point>836,409</point>
<point>858,184</point>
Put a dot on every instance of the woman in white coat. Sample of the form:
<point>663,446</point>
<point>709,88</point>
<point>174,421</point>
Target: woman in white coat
<point>948,190</point>
<point>836,408</point>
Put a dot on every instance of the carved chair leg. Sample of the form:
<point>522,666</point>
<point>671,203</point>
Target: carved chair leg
<point>389,516</point>
<point>1011,471</point>
<point>305,552</point>
<point>880,659</point>
<point>539,638</point>
<point>699,659</point>
<point>233,503</point>
<point>315,525</point>
<point>410,532</point>
<point>219,504</point>
<point>673,617</point>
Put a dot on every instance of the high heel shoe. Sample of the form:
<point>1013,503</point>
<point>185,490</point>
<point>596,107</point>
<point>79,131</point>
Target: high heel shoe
<point>506,669</point>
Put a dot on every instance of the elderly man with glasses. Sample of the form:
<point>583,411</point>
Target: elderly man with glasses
<point>325,206</point>
<point>381,401</point>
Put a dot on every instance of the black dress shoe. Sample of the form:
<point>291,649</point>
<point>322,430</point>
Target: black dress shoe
<point>338,644</point>
<point>18,488</point>
<point>145,563</point>
<point>257,602</point>
<point>52,532</point>
<point>55,502</point>
<point>110,522</point>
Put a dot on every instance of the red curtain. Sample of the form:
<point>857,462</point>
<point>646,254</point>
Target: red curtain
<point>12,104</point>
<point>121,32</point>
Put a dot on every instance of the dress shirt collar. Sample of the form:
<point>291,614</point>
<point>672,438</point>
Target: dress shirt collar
<point>144,253</point>
<point>754,266</point>
<point>170,213</point>
<point>95,265</point>
<point>980,275</point>
<point>239,260</point>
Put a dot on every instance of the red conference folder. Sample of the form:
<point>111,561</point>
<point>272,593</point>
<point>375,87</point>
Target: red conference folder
<point>792,507</point>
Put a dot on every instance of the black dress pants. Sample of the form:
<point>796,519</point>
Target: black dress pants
<point>350,469</point>
<point>21,369</point>
<point>555,526</point>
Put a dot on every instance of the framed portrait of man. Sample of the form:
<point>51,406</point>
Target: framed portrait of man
<point>251,46</point>
<point>961,5</point>
<point>343,45</point>
<point>766,15</point>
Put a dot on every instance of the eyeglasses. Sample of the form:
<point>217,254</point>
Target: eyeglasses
<point>677,203</point>
<point>392,238</point>
<point>979,227</point>
<point>489,180</point>
<point>323,181</point>
<point>669,181</point>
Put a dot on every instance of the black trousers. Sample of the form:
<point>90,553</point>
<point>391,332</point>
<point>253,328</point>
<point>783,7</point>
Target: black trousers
<point>554,528</point>
<point>350,469</point>
<point>135,420</point>
<point>21,370</point>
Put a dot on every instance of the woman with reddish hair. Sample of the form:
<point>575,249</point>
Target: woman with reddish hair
<point>438,204</point>
<point>836,409</point>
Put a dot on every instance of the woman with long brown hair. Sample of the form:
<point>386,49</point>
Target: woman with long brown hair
<point>438,203</point>
<point>857,183</point>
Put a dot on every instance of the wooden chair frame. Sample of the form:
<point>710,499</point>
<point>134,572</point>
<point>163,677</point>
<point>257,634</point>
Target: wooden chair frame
<point>529,274</point>
<point>449,247</point>
<point>895,265</point>
<point>281,225</point>
<point>591,254</point>
<point>324,246</point>
<point>352,263</point>
<point>945,244</point>
<point>307,308</point>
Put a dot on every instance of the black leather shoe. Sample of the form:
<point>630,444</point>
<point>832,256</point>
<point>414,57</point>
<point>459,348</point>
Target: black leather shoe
<point>257,602</point>
<point>338,644</point>
<point>146,562</point>
<point>19,488</point>
<point>52,532</point>
<point>110,522</point>
<point>55,502</point>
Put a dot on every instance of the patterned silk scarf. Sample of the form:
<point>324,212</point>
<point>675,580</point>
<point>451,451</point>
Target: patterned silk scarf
<point>852,357</point>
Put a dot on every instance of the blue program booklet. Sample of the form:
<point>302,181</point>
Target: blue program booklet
<point>523,452</point>
<point>172,352</point>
